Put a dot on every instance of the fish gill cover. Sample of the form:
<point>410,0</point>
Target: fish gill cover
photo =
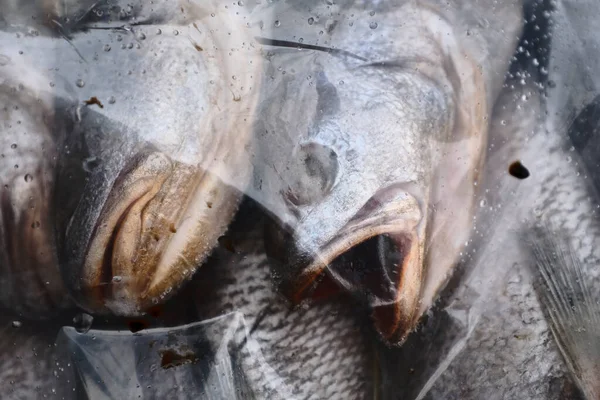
<point>299,199</point>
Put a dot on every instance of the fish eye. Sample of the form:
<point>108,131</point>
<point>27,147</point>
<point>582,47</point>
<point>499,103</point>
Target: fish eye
<point>313,174</point>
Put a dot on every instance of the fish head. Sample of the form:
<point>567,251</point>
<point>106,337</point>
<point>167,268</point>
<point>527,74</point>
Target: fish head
<point>376,191</point>
<point>153,146</point>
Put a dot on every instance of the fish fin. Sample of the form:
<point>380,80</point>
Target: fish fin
<point>573,310</point>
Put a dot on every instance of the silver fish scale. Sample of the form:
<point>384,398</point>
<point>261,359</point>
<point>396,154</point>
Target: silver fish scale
<point>510,354</point>
<point>320,351</point>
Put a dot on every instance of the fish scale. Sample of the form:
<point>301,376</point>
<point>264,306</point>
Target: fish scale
<point>320,350</point>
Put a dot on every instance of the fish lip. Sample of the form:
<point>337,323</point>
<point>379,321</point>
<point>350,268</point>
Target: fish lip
<point>94,286</point>
<point>394,309</point>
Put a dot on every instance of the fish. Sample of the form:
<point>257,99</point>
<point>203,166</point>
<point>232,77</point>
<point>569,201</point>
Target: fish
<point>125,146</point>
<point>369,153</point>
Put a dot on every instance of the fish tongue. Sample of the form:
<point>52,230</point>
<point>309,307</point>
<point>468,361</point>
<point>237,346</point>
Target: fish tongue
<point>562,283</point>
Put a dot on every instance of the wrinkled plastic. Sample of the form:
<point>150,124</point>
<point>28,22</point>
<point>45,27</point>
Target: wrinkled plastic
<point>320,199</point>
<point>213,359</point>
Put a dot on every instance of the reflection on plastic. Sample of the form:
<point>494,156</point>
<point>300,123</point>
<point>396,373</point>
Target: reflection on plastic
<point>213,359</point>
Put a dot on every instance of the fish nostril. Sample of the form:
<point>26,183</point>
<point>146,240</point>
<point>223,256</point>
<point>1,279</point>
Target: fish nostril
<point>312,175</point>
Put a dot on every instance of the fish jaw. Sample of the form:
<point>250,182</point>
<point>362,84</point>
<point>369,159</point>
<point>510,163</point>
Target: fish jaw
<point>377,256</point>
<point>156,228</point>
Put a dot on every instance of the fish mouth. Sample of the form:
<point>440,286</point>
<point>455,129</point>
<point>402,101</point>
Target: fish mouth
<point>159,223</point>
<point>377,257</point>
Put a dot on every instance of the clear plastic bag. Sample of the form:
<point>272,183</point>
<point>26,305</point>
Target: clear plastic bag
<point>302,199</point>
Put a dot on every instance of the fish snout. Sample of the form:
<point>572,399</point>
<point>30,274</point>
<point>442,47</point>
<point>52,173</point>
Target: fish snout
<point>160,221</point>
<point>377,257</point>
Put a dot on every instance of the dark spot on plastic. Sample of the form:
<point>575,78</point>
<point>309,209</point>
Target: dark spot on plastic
<point>170,358</point>
<point>197,47</point>
<point>209,204</point>
<point>94,100</point>
<point>172,228</point>
<point>518,170</point>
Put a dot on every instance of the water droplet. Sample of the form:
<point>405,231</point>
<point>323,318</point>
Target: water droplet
<point>240,3</point>
<point>35,224</point>
<point>13,146</point>
<point>536,62</point>
<point>28,178</point>
<point>141,36</point>
<point>175,32</point>
<point>117,279</point>
<point>372,13</point>
<point>482,203</point>
<point>16,324</point>
<point>80,83</point>
<point>51,84</point>
<point>373,25</point>
<point>503,122</point>
<point>159,32</point>
<point>341,83</point>
<point>277,23</point>
<point>311,21</point>
<point>119,38</point>
<point>83,322</point>
<point>107,47</point>
<point>112,100</point>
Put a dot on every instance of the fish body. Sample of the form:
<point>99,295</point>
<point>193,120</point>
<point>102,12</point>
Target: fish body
<point>131,132</point>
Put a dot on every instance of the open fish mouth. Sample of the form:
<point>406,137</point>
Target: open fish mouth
<point>377,257</point>
<point>155,229</point>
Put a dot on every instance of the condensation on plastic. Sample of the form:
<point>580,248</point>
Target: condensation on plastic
<point>357,131</point>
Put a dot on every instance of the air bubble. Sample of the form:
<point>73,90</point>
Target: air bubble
<point>107,47</point>
<point>13,146</point>
<point>28,178</point>
<point>373,25</point>
<point>80,83</point>
<point>311,21</point>
<point>277,23</point>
